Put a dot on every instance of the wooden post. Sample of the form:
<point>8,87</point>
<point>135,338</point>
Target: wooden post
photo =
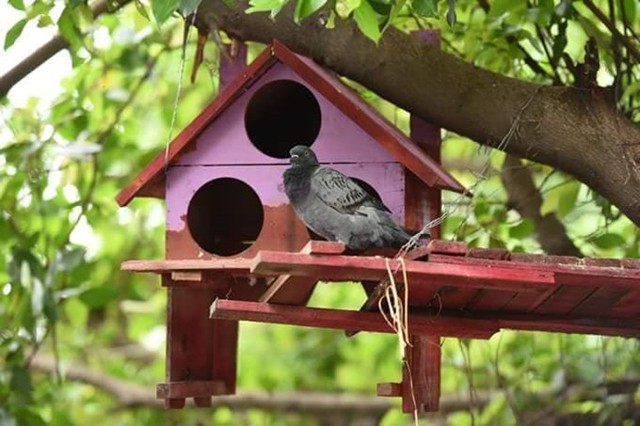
<point>201,353</point>
<point>421,373</point>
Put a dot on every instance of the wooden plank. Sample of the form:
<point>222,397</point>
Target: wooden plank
<point>456,297</point>
<point>422,382</point>
<point>563,300</point>
<point>289,290</point>
<point>195,276</point>
<point>565,270</point>
<point>389,389</point>
<point>188,389</point>
<point>623,327</point>
<point>628,306</point>
<point>600,302</point>
<point>323,247</point>
<point>419,273</point>
<point>195,265</point>
<point>452,248</point>
<point>493,254</point>
<point>487,300</point>
<point>347,320</point>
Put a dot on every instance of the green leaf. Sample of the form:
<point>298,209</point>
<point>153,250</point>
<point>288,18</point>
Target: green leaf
<point>451,12</point>
<point>426,8</point>
<point>273,6</point>
<point>162,9</point>
<point>367,20</point>
<point>609,241</point>
<point>568,198</point>
<point>98,296</point>
<point>142,10</point>
<point>187,7</point>
<point>522,230</point>
<point>13,33</point>
<point>306,8</point>
<point>44,21</point>
<point>68,29</point>
<point>17,4</point>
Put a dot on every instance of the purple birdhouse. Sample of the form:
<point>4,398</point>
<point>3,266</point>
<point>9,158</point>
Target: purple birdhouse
<point>222,181</point>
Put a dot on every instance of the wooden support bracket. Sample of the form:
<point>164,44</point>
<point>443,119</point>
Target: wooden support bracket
<point>343,319</point>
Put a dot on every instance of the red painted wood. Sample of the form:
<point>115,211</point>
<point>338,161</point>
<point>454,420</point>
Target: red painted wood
<point>494,254</point>
<point>524,302</point>
<point>167,266</point>
<point>289,290</point>
<point>456,297</point>
<point>389,389</point>
<point>448,247</point>
<point>487,300</point>
<point>421,374</point>
<point>565,272</point>
<point>426,136</point>
<point>628,306</point>
<point>610,263</point>
<point>174,403</point>
<point>600,302</point>
<point>419,273</point>
<point>224,355</point>
<point>624,327</point>
<point>323,247</point>
<point>347,320</point>
<point>563,300</point>
<point>190,389</point>
<point>630,263</point>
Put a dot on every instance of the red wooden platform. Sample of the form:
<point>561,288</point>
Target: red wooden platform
<point>452,291</point>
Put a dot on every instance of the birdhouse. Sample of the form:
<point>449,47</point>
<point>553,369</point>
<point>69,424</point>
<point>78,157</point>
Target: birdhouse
<point>235,249</point>
<point>222,181</point>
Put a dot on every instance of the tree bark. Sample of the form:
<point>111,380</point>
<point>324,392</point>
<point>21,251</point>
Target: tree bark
<point>524,197</point>
<point>574,130</point>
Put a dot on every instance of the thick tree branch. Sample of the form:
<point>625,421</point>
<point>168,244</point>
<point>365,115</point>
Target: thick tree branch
<point>50,48</point>
<point>131,395</point>
<point>574,130</point>
<point>525,198</point>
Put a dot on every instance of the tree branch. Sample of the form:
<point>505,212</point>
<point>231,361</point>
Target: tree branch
<point>525,198</point>
<point>50,48</point>
<point>133,395</point>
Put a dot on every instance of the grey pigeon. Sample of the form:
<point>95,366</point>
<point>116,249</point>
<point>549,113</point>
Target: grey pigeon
<point>335,207</point>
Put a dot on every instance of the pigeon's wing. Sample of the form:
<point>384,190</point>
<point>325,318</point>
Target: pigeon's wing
<point>340,192</point>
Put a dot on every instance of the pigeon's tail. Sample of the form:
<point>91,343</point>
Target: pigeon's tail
<point>395,236</point>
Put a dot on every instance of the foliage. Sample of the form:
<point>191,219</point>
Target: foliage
<point>63,236</point>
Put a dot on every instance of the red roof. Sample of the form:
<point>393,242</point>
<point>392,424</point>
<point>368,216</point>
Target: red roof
<point>150,181</point>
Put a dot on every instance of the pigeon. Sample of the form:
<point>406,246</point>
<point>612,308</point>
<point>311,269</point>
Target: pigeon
<point>335,207</point>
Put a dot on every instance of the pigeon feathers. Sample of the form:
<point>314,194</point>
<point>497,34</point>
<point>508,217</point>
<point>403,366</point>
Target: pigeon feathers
<point>335,207</point>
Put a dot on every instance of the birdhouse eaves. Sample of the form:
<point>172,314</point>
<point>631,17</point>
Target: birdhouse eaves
<point>150,181</point>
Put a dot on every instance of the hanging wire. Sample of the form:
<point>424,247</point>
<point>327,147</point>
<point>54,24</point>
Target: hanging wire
<point>174,113</point>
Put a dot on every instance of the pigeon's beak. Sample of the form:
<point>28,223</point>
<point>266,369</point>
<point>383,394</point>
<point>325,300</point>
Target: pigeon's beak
<point>293,157</point>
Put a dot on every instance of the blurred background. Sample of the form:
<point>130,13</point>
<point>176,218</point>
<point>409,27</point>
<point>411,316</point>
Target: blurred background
<point>83,343</point>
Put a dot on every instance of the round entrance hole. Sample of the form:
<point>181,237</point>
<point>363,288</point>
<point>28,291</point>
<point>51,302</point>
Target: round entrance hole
<point>281,115</point>
<point>225,216</point>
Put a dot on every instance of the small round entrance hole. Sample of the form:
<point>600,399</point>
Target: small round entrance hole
<point>225,216</point>
<point>281,115</point>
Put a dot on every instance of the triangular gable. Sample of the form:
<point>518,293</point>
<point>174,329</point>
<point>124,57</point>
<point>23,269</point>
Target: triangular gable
<point>150,181</point>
